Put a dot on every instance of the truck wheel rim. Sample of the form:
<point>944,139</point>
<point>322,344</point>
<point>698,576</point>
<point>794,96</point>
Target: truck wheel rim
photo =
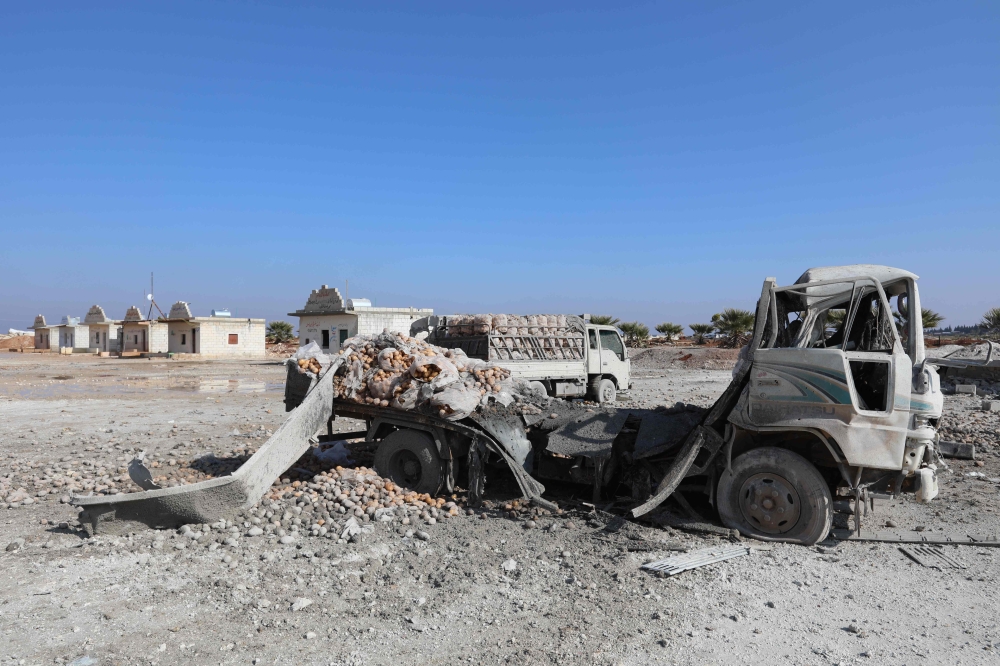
<point>406,469</point>
<point>769,503</point>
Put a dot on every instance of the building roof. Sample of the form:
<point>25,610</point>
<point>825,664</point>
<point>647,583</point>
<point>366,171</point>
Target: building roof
<point>179,310</point>
<point>327,301</point>
<point>96,315</point>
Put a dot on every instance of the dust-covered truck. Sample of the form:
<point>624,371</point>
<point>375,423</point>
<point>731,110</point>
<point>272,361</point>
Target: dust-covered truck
<point>567,355</point>
<point>832,397</point>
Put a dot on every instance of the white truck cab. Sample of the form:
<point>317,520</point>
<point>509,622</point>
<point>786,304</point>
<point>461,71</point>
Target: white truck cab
<point>609,369</point>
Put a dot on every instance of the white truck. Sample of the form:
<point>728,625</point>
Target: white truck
<point>815,411</point>
<point>566,355</point>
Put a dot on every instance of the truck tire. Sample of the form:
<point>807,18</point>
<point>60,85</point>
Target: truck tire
<point>410,459</point>
<point>603,390</point>
<point>774,494</point>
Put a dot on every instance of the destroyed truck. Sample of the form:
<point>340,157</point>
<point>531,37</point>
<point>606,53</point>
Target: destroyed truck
<point>567,356</point>
<point>830,398</point>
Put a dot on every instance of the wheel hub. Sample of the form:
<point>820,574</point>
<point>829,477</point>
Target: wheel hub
<point>406,469</point>
<point>769,503</point>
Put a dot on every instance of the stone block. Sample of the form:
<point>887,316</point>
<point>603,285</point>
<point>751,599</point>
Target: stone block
<point>991,405</point>
<point>966,388</point>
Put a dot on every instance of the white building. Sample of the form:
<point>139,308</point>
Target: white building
<point>142,336</point>
<point>103,331</point>
<point>71,334</point>
<point>218,336</point>
<point>43,333</point>
<point>327,320</point>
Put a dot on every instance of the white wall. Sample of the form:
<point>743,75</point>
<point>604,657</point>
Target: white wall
<point>77,337</point>
<point>181,338</point>
<point>359,322</point>
<point>133,336</point>
<point>43,337</point>
<point>157,337</point>
<point>108,334</point>
<point>214,337</point>
<point>154,334</point>
<point>311,328</point>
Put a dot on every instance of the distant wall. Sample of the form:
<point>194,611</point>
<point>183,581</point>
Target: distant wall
<point>311,329</point>
<point>104,337</point>
<point>182,337</point>
<point>357,322</point>
<point>215,337</point>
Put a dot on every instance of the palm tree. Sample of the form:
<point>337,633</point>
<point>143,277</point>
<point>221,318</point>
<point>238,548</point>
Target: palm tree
<point>930,319</point>
<point>636,333</point>
<point>669,330</point>
<point>604,320</point>
<point>700,331</point>
<point>279,331</point>
<point>735,324</point>
<point>835,317</point>
<point>991,321</point>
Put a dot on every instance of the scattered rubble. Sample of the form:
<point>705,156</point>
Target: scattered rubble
<point>384,591</point>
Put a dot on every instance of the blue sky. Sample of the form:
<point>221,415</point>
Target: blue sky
<point>655,161</point>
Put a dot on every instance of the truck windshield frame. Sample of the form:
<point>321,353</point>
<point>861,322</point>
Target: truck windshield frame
<point>613,343</point>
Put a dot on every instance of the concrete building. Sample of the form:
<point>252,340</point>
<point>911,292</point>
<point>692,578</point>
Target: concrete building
<point>71,334</point>
<point>327,320</point>
<point>218,336</point>
<point>140,335</point>
<point>43,333</point>
<point>103,331</point>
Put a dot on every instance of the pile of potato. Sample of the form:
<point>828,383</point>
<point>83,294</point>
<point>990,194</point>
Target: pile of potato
<point>310,365</point>
<point>556,339</point>
<point>391,369</point>
<point>358,492</point>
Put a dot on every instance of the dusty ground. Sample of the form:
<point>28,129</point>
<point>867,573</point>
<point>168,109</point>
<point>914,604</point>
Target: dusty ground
<point>476,590</point>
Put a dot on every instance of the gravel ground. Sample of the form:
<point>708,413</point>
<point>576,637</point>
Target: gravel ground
<point>445,587</point>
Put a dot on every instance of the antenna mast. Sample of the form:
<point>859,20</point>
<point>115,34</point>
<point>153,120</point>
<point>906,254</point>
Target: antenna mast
<point>152,301</point>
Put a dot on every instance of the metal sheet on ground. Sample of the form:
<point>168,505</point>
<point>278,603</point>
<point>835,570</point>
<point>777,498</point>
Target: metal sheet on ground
<point>697,558</point>
<point>920,538</point>
<point>932,557</point>
<point>590,435</point>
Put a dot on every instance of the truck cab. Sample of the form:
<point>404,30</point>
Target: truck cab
<point>837,400</point>
<point>609,369</point>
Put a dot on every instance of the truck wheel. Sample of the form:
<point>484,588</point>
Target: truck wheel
<point>773,494</point>
<point>603,390</point>
<point>410,459</point>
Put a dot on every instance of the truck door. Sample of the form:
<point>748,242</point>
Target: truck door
<point>593,353</point>
<point>614,363</point>
<point>854,384</point>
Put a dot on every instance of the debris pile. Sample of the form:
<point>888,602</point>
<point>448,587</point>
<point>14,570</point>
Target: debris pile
<point>359,492</point>
<point>398,371</point>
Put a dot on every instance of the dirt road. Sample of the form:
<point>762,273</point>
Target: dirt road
<point>479,588</point>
